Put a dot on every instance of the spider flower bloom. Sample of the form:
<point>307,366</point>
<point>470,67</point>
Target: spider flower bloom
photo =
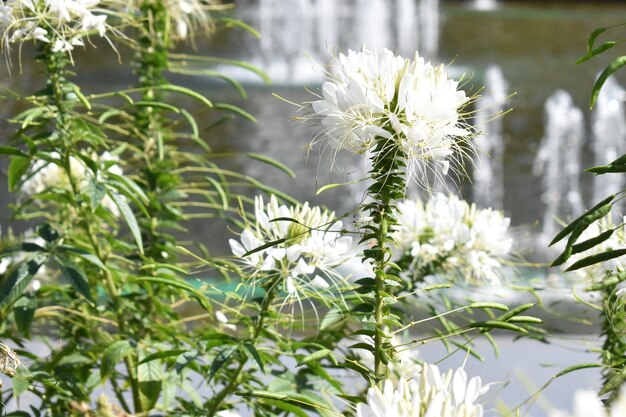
<point>62,23</point>
<point>379,94</point>
<point>449,235</point>
<point>430,393</point>
<point>308,247</point>
<point>46,176</point>
<point>587,404</point>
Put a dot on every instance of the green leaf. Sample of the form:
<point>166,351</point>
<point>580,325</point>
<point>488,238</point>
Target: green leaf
<point>157,104</point>
<point>220,191</point>
<point>492,324</point>
<point>594,259</point>
<point>576,368</point>
<point>20,386</point>
<point>185,359</point>
<point>272,162</point>
<point>178,283</point>
<point>221,359</point>
<point>19,278</point>
<point>265,246</point>
<point>237,110</point>
<point>315,356</point>
<point>149,392</point>
<point>596,51</point>
<point>113,355</point>
<point>47,233</point>
<point>162,355</point>
<point>96,193</point>
<point>186,91</point>
<point>83,254</point>
<point>120,202</point>
<point>606,73</point>
<point>496,306</point>
<point>7,150</point>
<point>75,275</point>
<point>254,354</point>
<point>525,319</point>
<point>17,168</point>
<point>570,227</point>
<point>24,311</point>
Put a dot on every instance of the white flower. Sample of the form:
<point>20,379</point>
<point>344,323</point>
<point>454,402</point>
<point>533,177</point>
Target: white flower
<point>449,235</point>
<point>63,23</point>
<point>587,404</point>
<point>308,246</point>
<point>45,175</point>
<point>223,320</point>
<point>227,413</point>
<point>6,16</point>
<point>429,394</point>
<point>378,94</point>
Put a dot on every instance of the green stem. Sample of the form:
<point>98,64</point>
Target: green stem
<point>387,188</point>
<point>614,348</point>
<point>271,291</point>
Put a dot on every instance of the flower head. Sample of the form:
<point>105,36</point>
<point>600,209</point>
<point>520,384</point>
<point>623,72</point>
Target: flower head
<point>448,234</point>
<point>48,175</point>
<point>307,247</point>
<point>379,94</point>
<point>63,23</point>
<point>587,404</point>
<point>430,393</point>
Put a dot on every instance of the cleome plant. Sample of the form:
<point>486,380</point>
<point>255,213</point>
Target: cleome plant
<point>108,309</point>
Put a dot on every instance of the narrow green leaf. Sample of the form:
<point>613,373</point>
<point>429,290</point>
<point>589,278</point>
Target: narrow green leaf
<point>496,306</point>
<point>492,324</point>
<point>162,355</point>
<point>272,162</point>
<point>120,202</point>
<point>75,275</point>
<point>335,185</point>
<point>229,22</point>
<point>570,227</point>
<point>315,356</point>
<point>252,352</point>
<point>592,38</point>
<point>220,191</point>
<point>17,168</point>
<point>178,283</point>
<point>525,319</point>
<point>594,259</point>
<point>237,110</point>
<point>577,368</point>
<point>7,150</point>
<point>514,312</point>
<point>220,360</point>
<point>83,254</point>
<point>80,96</point>
<point>606,73</point>
<point>265,246</point>
<point>157,105</point>
<point>596,51</point>
<point>186,91</point>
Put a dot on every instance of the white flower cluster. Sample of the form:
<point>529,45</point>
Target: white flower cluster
<point>451,235</point>
<point>430,393</point>
<point>186,16</point>
<point>45,175</point>
<point>587,404</point>
<point>63,23</point>
<point>378,94</point>
<point>309,245</point>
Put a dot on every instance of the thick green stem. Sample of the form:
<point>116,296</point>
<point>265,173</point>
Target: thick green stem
<point>388,187</point>
<point>614,348</point>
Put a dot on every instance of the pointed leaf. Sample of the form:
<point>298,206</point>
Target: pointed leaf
<point>75,275</point>
<point>19,278</point>
<point>120,202</point>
